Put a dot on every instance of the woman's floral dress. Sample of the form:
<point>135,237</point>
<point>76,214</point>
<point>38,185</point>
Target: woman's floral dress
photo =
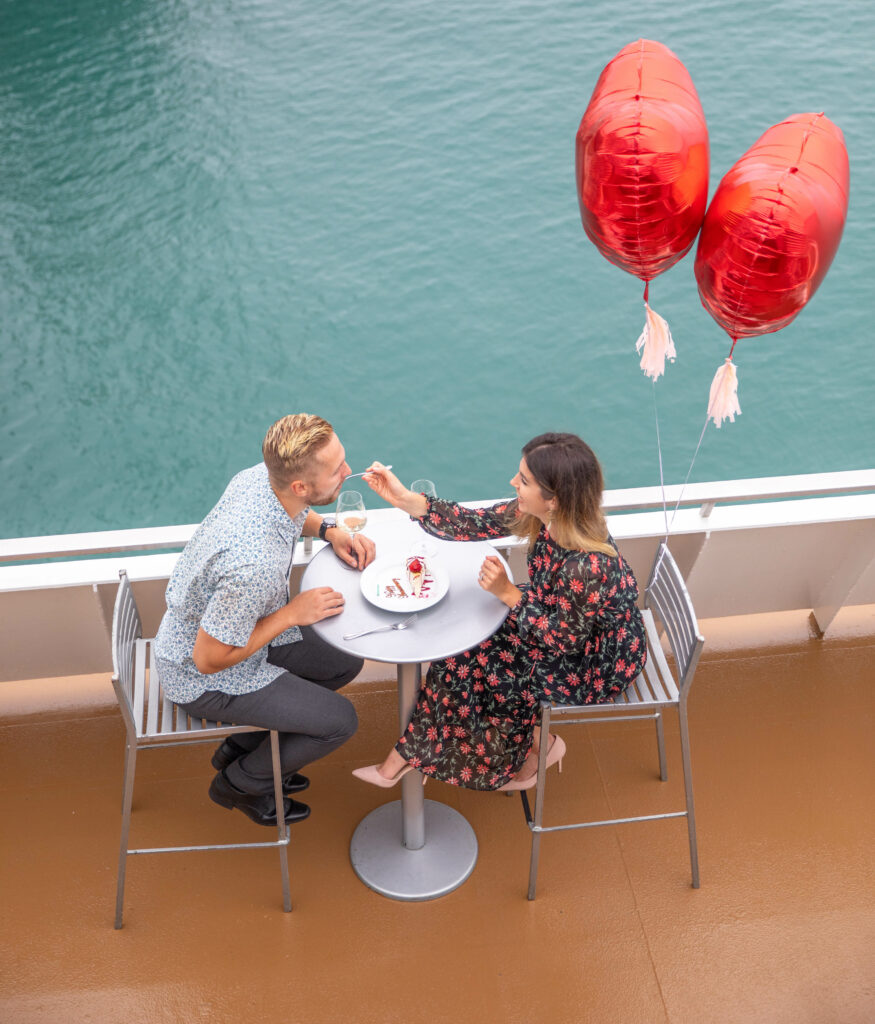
<point>575,637</point>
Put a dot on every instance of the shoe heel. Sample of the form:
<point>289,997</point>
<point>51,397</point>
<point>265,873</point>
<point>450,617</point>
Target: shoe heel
<point>556,753</point>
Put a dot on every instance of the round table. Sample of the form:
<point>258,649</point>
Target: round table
<point>412,849</point>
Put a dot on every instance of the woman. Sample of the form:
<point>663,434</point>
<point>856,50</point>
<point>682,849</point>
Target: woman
<point>574,634</point>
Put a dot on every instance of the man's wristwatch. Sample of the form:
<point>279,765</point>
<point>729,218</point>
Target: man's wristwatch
<point>327,524</point>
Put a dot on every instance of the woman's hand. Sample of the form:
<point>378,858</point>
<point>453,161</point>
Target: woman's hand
<point>494,579</point>
<point>384,482</point>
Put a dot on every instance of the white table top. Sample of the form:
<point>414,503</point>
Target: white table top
<point>459,621</point>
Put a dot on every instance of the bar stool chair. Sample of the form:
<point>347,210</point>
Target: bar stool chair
<point>667,606</point>
<point>152,720</point>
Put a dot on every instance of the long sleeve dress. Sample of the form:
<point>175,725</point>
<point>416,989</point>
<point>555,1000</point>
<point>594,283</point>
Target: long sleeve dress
<point>575,637</point>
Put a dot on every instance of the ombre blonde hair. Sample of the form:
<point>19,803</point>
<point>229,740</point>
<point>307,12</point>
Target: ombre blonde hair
<point>290,445</point>
<point>566,469</point>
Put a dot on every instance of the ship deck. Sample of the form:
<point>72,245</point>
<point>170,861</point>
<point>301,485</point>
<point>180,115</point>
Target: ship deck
<point>781,930</point>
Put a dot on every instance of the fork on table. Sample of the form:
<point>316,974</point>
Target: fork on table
<point>403,624</point>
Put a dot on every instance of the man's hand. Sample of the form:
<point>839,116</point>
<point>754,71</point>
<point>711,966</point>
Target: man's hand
<point>211,655</point>
<point>353,548</point>
<point>314,605</point>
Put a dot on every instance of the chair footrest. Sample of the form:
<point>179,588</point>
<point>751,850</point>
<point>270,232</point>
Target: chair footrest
<point>217,846</point>
<point>609,821</point>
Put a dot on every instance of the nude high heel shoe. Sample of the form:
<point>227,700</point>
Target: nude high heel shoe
<point>372,775</point>
<point>554,754</point>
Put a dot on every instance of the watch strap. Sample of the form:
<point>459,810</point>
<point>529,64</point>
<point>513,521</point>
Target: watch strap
<point>326,525</point>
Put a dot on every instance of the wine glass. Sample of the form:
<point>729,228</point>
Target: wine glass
<point>425,487</point>
<point>422,548</point>
<point>351,514</point>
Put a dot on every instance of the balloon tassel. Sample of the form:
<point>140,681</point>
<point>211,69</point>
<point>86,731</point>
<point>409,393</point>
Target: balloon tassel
<point>723,400</point>
<point>657,343</point>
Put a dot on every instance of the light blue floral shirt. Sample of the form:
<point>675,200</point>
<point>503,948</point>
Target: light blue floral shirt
<point>233,572</point>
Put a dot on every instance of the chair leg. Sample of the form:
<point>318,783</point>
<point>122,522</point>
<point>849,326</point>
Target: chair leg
<point>660,743</point>
<point>538,816</point>
<point>282,827</point>
<point>533,864</point>
<point>688,790</point>
<point>125,779</point>
<point>127,800</point>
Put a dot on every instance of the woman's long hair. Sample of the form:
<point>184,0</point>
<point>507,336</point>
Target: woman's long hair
<point>566,469</point>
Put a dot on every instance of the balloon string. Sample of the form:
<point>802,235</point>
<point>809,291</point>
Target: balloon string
<point>695,454</point>
<point>659,453</point>
<point>690,470</point>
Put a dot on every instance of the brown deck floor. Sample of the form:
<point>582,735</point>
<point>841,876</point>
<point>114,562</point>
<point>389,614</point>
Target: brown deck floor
<point>782,929</point>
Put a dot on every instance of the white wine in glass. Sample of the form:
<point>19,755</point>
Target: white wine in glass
<point>351,514</point>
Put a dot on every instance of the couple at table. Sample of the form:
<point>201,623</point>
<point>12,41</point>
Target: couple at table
<point>233,646</point>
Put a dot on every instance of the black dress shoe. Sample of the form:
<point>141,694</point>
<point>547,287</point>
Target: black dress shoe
<point>261,808</point>
<point>294,782</point>
<point>229,751</point>
<point>226,752</point>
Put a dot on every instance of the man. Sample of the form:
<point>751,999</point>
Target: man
<point>233,647</point>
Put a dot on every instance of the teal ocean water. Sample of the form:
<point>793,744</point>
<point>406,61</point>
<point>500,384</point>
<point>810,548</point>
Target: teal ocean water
<point>215,213</point>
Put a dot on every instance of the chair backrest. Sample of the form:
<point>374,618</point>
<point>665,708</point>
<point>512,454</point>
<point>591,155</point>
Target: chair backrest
<point>667,597</point>
<point>126,630</point>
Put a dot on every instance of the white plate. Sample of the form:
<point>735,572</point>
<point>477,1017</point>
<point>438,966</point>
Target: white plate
<point>379,587</point>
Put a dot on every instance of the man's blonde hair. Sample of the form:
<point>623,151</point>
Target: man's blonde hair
<point>291,443</point>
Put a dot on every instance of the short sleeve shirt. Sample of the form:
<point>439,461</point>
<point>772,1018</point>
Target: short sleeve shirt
<point>233,572</point>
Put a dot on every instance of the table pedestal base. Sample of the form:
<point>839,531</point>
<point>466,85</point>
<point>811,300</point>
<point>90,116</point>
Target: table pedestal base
<point>441,865</point>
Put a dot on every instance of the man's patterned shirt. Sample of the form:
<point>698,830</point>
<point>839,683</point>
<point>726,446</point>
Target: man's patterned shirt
<point>233,572</point>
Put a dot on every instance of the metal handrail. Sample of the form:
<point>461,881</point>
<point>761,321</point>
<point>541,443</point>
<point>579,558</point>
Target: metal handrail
<point>634,499</point>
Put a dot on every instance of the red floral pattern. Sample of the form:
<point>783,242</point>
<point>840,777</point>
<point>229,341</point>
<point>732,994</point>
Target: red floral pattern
<point>575,637</point>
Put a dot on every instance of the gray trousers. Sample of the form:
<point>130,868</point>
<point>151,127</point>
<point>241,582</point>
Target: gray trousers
<point>301,704</point>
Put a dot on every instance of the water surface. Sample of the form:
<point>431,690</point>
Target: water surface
<point>214,213</point>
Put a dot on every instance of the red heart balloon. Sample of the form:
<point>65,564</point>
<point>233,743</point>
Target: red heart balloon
<point>773,226</point>
<point>642,161</point>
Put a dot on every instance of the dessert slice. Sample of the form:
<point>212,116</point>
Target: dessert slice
<point>416,574</point>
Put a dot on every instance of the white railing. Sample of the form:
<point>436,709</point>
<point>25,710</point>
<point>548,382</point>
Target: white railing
<point>744,546</point>
<point>638,499</point>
